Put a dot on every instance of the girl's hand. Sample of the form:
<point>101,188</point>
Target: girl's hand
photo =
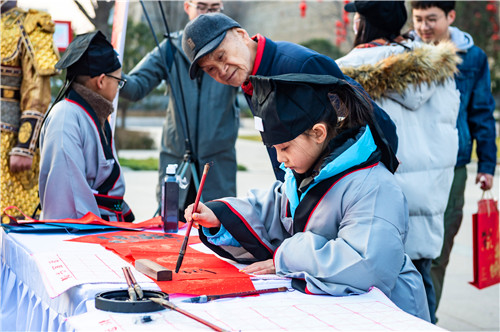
<point>204,216</point>
<point>263,267</point>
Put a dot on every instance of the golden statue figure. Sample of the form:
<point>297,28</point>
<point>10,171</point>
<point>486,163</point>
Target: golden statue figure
<point>28,56</point>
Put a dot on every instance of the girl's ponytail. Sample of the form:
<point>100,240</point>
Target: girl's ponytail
<point>352,106</point>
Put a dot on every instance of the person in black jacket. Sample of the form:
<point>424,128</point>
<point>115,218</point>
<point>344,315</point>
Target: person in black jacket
<point>217,45</point>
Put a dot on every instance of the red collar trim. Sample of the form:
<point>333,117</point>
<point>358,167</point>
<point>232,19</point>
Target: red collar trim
<point>261,44</point>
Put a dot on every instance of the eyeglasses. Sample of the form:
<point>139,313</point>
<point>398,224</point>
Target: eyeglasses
<point>203,8</point>
<point>429,21</point>
<point>121,81</point>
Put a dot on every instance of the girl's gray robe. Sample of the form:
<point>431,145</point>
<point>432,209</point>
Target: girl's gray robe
<point>341,240</point>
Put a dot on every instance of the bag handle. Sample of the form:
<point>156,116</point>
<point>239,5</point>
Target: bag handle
<point>487,194</point>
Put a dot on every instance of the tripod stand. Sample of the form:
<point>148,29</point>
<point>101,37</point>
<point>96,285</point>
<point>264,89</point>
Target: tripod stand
<point>188,162</point>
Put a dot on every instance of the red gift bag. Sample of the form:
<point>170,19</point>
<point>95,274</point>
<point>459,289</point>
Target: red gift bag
<point>486,247</point>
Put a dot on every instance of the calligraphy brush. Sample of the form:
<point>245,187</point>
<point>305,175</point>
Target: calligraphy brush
<point>169,305</point>
<point>136,286</point>
<point>131,292</point>
<point>190,224</point>
<point>207,298</point>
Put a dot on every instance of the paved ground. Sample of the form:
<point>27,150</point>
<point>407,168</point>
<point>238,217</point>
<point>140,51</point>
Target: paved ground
<point>462,308</point>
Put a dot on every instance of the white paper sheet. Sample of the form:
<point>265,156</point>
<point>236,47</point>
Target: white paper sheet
<point>64,269</point>
<point>292,311</point>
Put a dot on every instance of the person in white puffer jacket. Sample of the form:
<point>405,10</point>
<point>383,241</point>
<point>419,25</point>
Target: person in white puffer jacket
<point>414,83</point>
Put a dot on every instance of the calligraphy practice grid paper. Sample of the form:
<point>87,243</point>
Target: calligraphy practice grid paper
<point>82,265</point>
<point>292,311</point>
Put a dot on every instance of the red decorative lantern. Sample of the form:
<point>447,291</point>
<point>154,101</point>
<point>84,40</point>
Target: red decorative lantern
<point>491,8</point>
<point>341,26</point>
<point>303,7</point>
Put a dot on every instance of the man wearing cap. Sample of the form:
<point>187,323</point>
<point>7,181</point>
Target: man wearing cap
<point>414,83</point>
<point>219,46</point>
<point>79,171</point>
<point>210,108</point>
<point>28,56</point>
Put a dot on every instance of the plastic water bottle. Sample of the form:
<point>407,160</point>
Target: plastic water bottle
<point>170,200</point>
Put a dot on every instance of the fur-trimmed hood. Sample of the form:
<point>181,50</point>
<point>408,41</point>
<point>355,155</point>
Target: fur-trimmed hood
<point>386,71</point>
<point>417,90</point>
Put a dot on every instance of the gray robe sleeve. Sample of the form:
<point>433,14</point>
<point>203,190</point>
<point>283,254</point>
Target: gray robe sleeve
<point>367,251</point>
<point>254,223</point>
<point>64,188</point>
<point>147,74</point>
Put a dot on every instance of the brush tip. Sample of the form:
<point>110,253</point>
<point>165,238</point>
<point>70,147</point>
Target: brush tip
<point>179,262</point>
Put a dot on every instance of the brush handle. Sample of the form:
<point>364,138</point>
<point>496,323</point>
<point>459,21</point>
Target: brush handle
<point>131,292</point>
<point>200,189</point>
<point>247,293</point>
<point>137,287</point>
<point>170,305</point>
<point>190,224</point>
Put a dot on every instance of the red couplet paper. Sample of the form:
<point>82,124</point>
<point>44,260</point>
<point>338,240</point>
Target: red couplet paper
<point>201,274</point>
<point>123,237</point>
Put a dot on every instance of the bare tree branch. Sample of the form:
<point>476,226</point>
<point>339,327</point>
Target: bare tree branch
<point>102,9</point>
<point>91,19</point>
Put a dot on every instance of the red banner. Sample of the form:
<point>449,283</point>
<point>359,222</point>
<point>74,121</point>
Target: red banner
<point>200,274</point>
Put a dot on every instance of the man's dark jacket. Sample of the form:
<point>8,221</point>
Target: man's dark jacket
<point>284,57</point>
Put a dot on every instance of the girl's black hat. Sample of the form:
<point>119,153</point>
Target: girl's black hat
<point>285,106</point>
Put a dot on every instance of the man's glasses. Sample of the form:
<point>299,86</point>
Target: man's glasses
<point>121,81</point>
<point>203,8</point>
<point>428,21</point>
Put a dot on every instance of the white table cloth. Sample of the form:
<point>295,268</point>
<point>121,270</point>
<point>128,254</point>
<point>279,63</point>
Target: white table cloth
<point>25,304</point>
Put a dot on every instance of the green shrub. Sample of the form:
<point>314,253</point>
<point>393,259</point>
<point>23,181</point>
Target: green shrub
<point>255,138</point>
<point>150,164</point>
<point>133,140</point>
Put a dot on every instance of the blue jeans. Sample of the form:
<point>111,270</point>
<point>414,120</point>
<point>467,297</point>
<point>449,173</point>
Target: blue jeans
<point>424,267</point>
